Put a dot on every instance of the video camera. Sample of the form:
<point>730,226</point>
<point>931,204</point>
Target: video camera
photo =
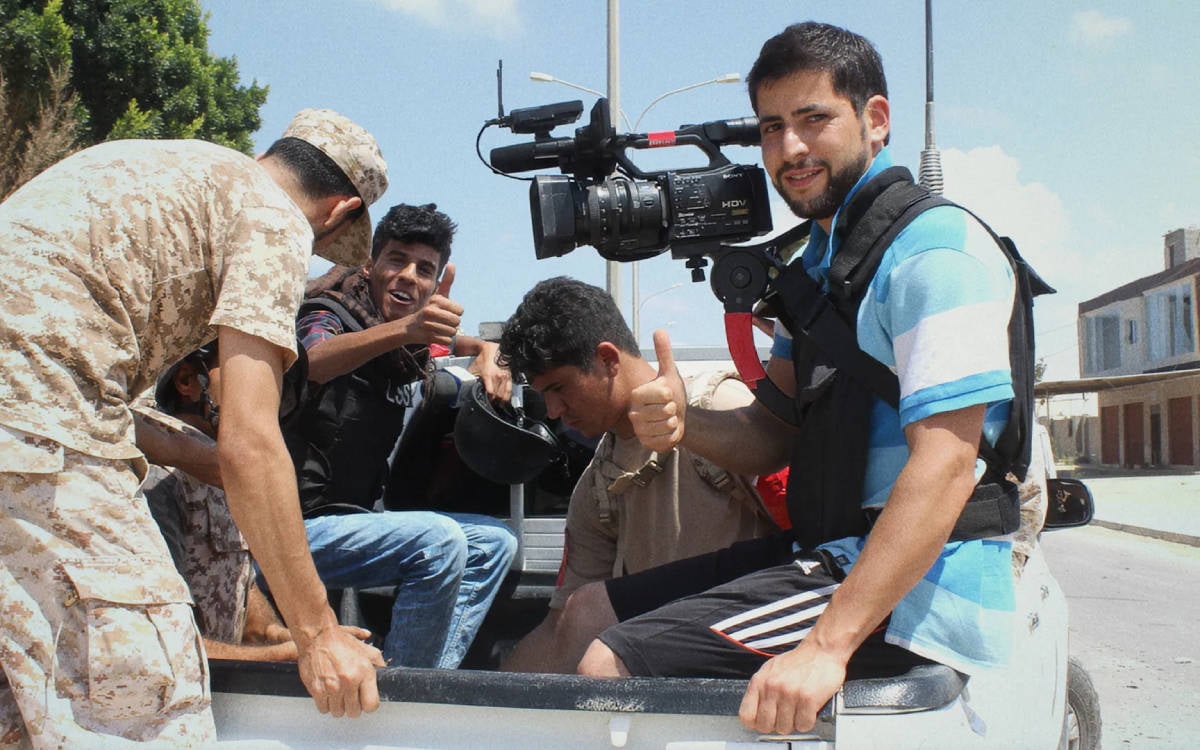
<point>602,199</point>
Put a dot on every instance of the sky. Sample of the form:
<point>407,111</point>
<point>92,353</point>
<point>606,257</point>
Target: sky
<point>1069,126</point>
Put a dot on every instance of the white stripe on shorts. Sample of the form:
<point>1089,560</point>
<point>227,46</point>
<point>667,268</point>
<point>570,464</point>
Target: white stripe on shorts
<point>782,616</point>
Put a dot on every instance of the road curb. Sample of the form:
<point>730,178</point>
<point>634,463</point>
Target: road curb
<point>1166,536</point>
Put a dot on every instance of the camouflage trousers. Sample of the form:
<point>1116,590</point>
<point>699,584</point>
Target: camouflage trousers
<point>208,549</point>
<point>98,644</point>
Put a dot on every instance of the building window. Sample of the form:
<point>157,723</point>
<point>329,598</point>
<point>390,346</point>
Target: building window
<point>1102,336</point>
<point>1169,322</point>
<point>1132,331</point>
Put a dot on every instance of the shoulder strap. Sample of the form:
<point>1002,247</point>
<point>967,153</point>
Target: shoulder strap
<point>877,215</point>
<point>808,311</point>
<point>645,474</point>
<point>349,322</point>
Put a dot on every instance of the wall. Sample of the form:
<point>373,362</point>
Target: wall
<point>1156,399</point>
<point>1075,439</point>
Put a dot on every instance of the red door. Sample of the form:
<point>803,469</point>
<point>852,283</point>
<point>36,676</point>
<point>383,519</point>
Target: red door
<point>1110,435</point>
<point>1135,435</point>
<point>1179,431</point>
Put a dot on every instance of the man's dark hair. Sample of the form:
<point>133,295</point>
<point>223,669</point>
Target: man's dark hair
<point>415,224</point>
<point>319,175</point>
<point>852,62</point>
<point>560,322</point>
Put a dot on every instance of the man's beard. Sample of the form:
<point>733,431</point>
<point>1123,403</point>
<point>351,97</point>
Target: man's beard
<point>827,203</point>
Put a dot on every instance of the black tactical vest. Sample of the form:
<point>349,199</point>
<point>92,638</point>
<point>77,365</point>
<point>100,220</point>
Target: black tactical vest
<point>341,440</point>
<point>837,383</point>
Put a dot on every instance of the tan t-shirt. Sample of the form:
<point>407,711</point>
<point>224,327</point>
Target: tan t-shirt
<point>118,261</point>
<point>689,508</point>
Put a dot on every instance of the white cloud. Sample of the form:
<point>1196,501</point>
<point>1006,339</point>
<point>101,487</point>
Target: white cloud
<point>1092,28</point>
<point>498,17</point>
<point>987,180</point>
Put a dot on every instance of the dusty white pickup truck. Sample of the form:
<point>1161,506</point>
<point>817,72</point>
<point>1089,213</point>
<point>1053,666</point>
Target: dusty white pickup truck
<point>1042,700</point>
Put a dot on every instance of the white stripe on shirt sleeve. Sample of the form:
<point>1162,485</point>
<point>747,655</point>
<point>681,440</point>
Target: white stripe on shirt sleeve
<point>952,345</point>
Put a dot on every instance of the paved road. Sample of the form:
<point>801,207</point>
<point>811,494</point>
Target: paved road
<point>1134,605</point>
<point>1163,505</point>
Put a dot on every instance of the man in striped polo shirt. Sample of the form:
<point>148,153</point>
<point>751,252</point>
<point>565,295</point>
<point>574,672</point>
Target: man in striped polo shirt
<point>798,622</point>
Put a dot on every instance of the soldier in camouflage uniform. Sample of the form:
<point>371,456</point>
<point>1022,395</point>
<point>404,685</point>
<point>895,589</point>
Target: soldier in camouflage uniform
<point>118,261</point>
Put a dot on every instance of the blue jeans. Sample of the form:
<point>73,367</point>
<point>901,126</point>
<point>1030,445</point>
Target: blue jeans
<point>446,567</point>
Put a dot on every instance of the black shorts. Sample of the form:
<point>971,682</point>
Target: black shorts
<point>636,594</point>
<point>725,613</point>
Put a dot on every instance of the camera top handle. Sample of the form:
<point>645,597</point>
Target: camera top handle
<point>709,137</point>
<point>596,149</point>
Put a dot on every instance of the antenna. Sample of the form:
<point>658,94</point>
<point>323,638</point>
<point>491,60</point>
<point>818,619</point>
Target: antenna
<point>930,171</point>
<point>500,89</point>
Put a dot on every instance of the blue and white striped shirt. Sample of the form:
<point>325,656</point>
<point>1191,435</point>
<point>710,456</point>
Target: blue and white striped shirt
<point>937,313</point>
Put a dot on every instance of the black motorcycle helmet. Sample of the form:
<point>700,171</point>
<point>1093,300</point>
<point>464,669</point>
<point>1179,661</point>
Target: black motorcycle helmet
<point>292,397</point>
<point>167,398</point>
<point>502,442</point>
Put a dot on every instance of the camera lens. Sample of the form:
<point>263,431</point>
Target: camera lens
<point>554,203</point>
<point>620,217</point>
<point>624,215</point>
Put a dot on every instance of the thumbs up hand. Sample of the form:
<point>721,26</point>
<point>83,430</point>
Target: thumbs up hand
<point>447,281</point>
<point>438,320</point>
<point>657,408</point>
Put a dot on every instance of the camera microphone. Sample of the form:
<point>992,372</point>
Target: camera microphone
<point>742,131</point>
<point>523,157</point>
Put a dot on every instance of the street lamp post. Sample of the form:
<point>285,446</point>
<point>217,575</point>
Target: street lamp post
<point>727,78</point>
<point>634,271</point>
<point>613,53</point>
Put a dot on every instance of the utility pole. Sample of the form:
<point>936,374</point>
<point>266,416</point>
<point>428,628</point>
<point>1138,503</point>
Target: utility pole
<point>612,267</point>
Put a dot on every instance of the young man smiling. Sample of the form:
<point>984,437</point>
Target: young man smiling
<point>796,619</point>
<point>367,333</point>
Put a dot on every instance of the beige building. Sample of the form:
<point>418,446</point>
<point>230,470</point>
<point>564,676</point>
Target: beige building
<point>1138,348</point>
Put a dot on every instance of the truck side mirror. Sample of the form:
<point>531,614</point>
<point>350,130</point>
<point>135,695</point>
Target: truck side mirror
<point>1070,504</point>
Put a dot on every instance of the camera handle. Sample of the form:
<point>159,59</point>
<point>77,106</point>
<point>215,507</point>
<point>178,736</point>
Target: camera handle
<point>739,279</point>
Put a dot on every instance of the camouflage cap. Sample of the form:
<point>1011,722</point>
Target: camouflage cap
<point>355,151</point>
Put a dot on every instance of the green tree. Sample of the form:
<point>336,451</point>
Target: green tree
<point>143,69</point>
<point>39,118</point>
<point>137,68</point>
